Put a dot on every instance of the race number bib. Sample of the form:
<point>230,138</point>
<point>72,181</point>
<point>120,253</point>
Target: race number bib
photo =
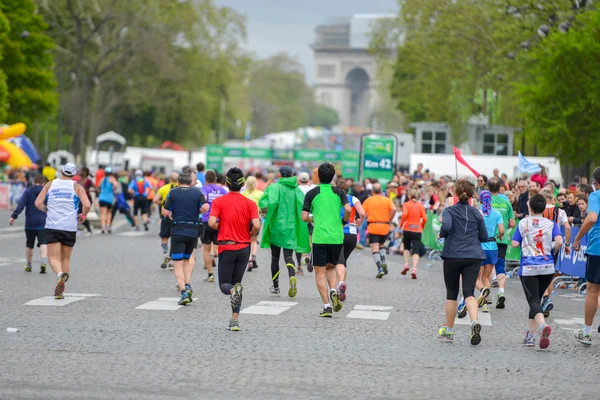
<point>352,230</point>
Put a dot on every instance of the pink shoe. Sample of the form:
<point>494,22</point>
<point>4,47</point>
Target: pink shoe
<point>405,270</point>
<point>413,274</point>
<point>342,291</point>
<point>545,337</point>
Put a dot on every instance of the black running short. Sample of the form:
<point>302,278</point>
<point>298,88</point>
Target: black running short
<point>324,254</point>
<point>592,269</point>
<point>105,204</point>
<point>348,247</point>
<point>411,241</point>
<point>65,238</point>
<point>210,235</point>
<point>140,203</point>
<point>32,234</point>
<point>182,247</point>
<point>377,239</point>
<point>165,227</point>
<point>502,249</point>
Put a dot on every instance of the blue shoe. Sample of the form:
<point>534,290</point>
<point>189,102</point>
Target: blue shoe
<point>462,309</point>
<point>184,300</point>
<point>380,273</point>
<point>547,306</point>
<point>189,291</point>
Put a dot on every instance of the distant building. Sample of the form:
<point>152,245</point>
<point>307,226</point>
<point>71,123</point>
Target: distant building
<point>345,76</point>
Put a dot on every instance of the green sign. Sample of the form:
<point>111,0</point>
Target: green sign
<point>378,158</point>
<point>259,153</point>
<point>316,155</point>
<point>350,162</point>
<point>214,157</point>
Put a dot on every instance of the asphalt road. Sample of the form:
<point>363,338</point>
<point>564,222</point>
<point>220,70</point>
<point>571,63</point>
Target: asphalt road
<point>383,344</point>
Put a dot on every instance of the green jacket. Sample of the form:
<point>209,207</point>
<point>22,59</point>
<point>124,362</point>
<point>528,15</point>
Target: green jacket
<point>283,226</point>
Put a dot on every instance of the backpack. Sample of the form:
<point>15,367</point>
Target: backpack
<point>552,213</point>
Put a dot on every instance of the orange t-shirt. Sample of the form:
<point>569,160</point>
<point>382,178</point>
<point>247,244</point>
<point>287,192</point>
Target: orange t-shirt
<point>153,183</point>
<point>414,217</point>
<point>378,208</point>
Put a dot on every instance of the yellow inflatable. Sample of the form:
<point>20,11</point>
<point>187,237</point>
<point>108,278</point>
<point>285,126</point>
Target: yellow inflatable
<point>11,131</point>
<point>17,158</point>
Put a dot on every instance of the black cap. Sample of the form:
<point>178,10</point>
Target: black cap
<point>286,171</point>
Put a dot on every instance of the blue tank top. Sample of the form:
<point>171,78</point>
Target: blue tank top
<point>107,194</point>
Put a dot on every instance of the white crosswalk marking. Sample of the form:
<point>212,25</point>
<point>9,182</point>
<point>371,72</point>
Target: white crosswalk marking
<point>51,301</point>
<point>370,312</point>
<point>4,261</point>
<point>269,307</point>
<point>133,233</point>
<point>571,321</point>
<point>485,319</point>
<point>162,304</point>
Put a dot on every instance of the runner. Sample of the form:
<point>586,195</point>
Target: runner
<point>231,215</point>
<point>60,199</point>
<point>592,273</point>
<point>88,186</point>
<point>149,176</point>
<point>495,230</point>
<point>106,198</point>
<point>182,206</point>
<point>322,206</point>
<point>305,186</point>
<point>283,227</point>
<point>412,223</point>
<point>463,229</point>
<point>35,223</point>
<point>553,213</point>
<point>165,222</point>
<point>536,234</point>
<point>253,194</point>
<point>350,238</point>
<point>121,205</point>
<point>140,189</point>
<point>211,191</point>
<point>379,210</point>
<point>501,204</point>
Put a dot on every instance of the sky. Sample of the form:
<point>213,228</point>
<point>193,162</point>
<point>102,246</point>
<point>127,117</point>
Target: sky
<point>276,26</point>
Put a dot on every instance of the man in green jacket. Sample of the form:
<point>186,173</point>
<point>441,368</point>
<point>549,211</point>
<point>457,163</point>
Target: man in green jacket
<point>283,226</point>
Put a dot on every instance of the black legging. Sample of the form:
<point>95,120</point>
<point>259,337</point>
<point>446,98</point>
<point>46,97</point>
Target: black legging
<point>123,211</point>
<point>288,256</point>
<point>534,288</point>
<point>85,223</point>
<point>232,265</point>
<point>453,269</point>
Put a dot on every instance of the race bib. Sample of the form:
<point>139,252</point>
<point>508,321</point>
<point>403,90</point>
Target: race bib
<point>352,230</point>
<point>535,270</point>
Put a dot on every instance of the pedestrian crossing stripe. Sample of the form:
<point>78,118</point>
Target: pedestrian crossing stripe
<point>52,302</point>
<point>269,308</point>
<point>571,321</point>
<point>11,229</point>
<point>133,233</point>
<point>6,261</point>
<point>370,312</point>
<point>484,319</point>
<point>162,304</point>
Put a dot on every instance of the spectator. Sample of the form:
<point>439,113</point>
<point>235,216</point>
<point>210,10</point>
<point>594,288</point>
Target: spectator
<point>201,175</point>
<point>523,209</point>
<point>260,182</point>
<point>582,203</point>
<point>571,208</point>
<point>418,174</point>
<point>497,175</point>
<point>481,183</point>
<point>561,200</point>
<point>540,178</point>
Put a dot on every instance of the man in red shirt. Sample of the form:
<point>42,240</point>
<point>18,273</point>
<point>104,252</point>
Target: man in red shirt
<point>236,219</point>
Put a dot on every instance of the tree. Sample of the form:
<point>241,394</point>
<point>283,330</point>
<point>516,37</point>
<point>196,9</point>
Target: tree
<point>324,117</point>
<point>561,101</point>
<point>4,29</point>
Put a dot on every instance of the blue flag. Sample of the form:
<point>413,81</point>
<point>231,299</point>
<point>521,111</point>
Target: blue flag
<point>529,167</point>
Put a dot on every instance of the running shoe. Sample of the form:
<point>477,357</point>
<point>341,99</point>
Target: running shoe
<point>326,313</point>
<point>342,293</point>
<point>184,300</point>
<point>300,271</point>
<point>60,286</point>
<point>236,296</point>
<point>249,267</point>
<point>380,273</point>
<point>413,274</point>
<point>43,268</point>
<point>335,299</point>
<point>146,227</point>
<point>189,291</point>
<point>598,328</point>
<point>309,266</point>
<point>462,309</point>
<point>385,268</point>
<point>234,325</point>
<point>165,262</point>
<point>500,301</point>
<point>293,290</point>
<point>582,338</point>
<point>545,336</point>
<point>529,339</point>
<point>171,266</point>
<point>485,308</point>
<point>495,283</point>
<point>28,268</point>
<point>547,306</point>
<point>210,278</point>
<point>137,228</point>
<point>359,246</point>
<point>485,292</point>
<point>475,333</point>
<point>275,291</point>
<point>214,263</point>
<point>405,270</point>
<point>445,336</point>
<point>489,301</point>
<point>254,264</point>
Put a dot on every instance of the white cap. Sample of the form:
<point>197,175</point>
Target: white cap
<point>69,169</point>
<point>139,172</point>
<point>303,177</point>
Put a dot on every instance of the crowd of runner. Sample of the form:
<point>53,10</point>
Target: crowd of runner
<point>322,218</point>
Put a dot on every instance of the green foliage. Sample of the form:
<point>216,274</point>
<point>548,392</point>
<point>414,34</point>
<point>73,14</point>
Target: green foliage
<point>324,117</point>
<point>4,29</point>
<point>28,63</point>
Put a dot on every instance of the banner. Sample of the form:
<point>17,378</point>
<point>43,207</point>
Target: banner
<point>574,263</point>
<point>350,162</point>
<point>461,160</point>
<point>214,157</point>
<point>378,158</point>
<point>513,253</point>
<point>430,232</point>
<point>4,196</point>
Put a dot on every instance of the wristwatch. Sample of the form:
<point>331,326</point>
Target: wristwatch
<point>567,244</point>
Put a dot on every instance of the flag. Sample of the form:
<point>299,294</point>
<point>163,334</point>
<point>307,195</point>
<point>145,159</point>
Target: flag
<point>460,159</point>
<point>529,167</point>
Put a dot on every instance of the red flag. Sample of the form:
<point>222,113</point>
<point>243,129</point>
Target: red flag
<point>460,159</point>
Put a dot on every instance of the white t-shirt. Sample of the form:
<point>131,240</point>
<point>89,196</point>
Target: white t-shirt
<point>562,216</point>
<point>305,188</point>
<point>536,235</point>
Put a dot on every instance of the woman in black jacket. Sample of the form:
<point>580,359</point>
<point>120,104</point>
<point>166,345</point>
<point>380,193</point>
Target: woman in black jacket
<point>464,230</point>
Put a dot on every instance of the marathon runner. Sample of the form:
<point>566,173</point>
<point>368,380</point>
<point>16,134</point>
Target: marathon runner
<point>253,194</point>
<point>283,227</point>
<point>380,210</point>
<point>140,189</point>
<point>412,223</point>
<point>121,205</point>
<point>183,205</point>
<point>60,199</point>
<point>211,191</point>
<point>35,223</point>
<point>322,207</point>
<point>539,239</point>
<point>350,238</point>
<point>106,198</point>
<point>236,219</point>
<point>305,186</point>
<point>165,222</point>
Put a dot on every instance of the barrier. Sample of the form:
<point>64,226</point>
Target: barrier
<point>574,263</point>
<point>430,232</point>
<point>4,196</point>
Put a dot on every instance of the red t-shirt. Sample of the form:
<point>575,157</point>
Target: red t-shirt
<point>235,214</point>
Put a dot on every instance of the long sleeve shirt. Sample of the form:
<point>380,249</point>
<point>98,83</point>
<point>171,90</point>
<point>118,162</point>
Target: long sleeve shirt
<point>464,229</point>
<point>34,218</point>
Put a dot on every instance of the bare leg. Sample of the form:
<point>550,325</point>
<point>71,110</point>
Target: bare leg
<point>28,255</point>
<point>415,260</point>
<point>188,267</point>
<point>55,257</point>
<point>207,258</point>
<point>591,302</point>
<point>331,276</point>
<point>66,258</point>
<point>44,251</point>
<point>320,279</point>
<point>406,254</point>
<point>341,272</point>
<point>451,308</point>
<point>179,273</point>
<point>472,308</point>
<point>486,275</point>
